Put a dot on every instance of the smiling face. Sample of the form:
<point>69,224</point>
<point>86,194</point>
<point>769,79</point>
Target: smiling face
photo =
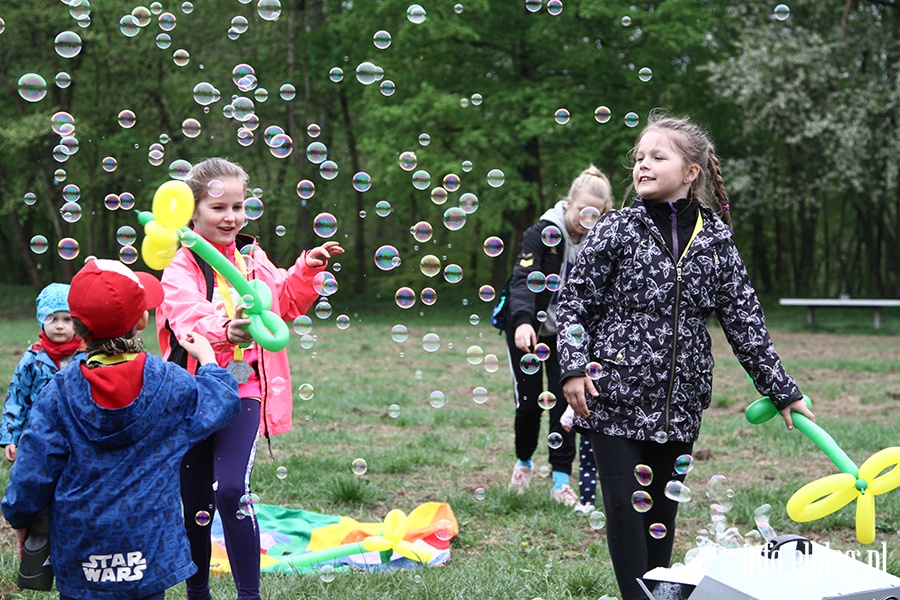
<point>219,218</point>
<point>660,172</point>
<point>59,328</point>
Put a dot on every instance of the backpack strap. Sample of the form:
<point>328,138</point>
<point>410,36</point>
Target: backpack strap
<point>177,354</point>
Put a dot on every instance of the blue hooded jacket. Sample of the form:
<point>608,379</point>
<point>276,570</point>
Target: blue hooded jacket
<point>110,477</point>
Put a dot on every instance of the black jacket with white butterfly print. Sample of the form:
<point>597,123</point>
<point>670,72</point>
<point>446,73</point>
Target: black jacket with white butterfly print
<point>629,307</point>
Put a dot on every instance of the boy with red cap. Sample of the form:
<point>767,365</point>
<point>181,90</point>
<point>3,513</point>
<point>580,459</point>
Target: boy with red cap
<point>104,443</point>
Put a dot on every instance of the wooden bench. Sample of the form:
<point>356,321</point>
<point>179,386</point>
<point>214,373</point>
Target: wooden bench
<point>812,303</point>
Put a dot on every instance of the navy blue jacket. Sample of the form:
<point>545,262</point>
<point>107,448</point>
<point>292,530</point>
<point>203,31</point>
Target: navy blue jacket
<point>110,477</point>
<point>628,306</point>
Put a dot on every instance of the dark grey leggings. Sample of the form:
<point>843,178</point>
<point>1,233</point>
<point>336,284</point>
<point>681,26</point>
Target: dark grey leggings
<point>225,459</point>
<point>632,549</point>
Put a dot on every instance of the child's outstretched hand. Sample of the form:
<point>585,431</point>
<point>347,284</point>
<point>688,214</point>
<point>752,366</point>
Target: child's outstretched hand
<point>10,452</point>
<point>796,406</point>
<point>318,256</point>
<point>198,347</point>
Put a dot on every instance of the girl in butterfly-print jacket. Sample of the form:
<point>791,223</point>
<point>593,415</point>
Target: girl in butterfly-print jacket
<point>636,303</point>
<point>649,334</point>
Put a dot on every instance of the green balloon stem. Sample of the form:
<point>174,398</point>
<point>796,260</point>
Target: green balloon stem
<point>826,443</point>
<point>862,485</point>
<point>762,410</point>
<point>311,559</point>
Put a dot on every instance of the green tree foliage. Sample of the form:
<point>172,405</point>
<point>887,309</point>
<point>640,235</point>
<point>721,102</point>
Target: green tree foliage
<point>803,111</point>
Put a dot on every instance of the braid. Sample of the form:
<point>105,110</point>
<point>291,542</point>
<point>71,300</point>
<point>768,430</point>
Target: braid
<point>718,186</point>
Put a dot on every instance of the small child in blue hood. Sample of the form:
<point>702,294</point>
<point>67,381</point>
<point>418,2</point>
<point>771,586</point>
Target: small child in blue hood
<point>104,443</point>
<point>57,347</point>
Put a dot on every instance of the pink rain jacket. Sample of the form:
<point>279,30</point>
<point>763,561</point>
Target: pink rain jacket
<point>187,309</point>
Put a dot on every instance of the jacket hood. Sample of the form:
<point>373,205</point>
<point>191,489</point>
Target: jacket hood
<point>118,427</point>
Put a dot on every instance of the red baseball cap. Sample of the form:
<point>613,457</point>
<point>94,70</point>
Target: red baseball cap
<point>109,298</point>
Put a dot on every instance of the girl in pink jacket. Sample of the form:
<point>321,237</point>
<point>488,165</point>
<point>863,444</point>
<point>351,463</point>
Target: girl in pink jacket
<point>197,299</point>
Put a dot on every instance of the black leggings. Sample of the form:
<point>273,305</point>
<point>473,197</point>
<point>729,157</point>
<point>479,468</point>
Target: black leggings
<point>528,412</point>
<point>632,549</point>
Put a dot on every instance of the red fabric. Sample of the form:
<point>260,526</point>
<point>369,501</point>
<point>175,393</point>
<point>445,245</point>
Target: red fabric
<point>57,351</point>
<point>116,386</point>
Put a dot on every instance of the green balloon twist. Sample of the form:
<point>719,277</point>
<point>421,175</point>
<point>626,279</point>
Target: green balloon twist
<point>268,329</point>
<point>762,410</point>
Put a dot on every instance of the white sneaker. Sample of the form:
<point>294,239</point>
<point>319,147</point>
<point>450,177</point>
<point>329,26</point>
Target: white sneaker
<point>521,478</point>
<point>564,495</point>
<point>583,510</point>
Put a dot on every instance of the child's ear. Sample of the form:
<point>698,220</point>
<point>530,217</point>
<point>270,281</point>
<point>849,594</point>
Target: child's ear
<point>142,323</point>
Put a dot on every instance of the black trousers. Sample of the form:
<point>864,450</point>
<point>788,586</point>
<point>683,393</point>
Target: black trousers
<point>528,412</point>
<point>632,549</point>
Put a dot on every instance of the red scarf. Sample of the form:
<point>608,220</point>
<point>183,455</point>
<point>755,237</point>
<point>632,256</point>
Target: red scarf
<point>57,351</point>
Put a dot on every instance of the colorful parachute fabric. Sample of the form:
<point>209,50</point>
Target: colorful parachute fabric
<point>289,536</point>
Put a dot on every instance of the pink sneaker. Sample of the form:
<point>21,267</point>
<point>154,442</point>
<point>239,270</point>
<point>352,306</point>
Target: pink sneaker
<point>564,495</point>
<point>521,478</point>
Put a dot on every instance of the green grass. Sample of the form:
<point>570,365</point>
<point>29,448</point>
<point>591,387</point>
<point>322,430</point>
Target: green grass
<point>511,546</point>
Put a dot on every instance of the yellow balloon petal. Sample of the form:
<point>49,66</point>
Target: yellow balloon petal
<point>154,257</point>
<point>376,543</point>
<point>412,552</point>
<point>822,497</point>
<point>173,204</point>
<point>889,458</point>
<point>865,518</point>
<point>395,525</point>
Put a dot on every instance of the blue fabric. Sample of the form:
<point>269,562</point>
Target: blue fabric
<point>34,371</point>
<point>53,298</point>
<point>110,477</point>
<point>560,479</point>
<point>525,463</point>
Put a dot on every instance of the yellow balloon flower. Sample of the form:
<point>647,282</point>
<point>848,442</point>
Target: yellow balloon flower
<point>817,499</point>
<point>391,538</point>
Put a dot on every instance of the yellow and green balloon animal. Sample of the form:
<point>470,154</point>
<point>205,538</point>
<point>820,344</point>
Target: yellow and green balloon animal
<point>878,475</point>
<point>166,225</point>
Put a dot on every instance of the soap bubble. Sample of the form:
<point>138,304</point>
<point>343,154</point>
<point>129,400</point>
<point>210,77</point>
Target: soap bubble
<point>684,464</point>
<point>336,74</point>
<point>529,364</point>
<point>269,10</point>
<point>382,208</point>
<point>126,235</point>
<point>362,182</point>
<point>657,531</point>
<point>677,491</point>
<point>546,400</point>
<point>281,472</point>
<point>306,189</point>
<point>421,179</point>
<point>454,218</point>
<point>575,334</point>
<point>359,466</point>
<point>495,178</point>
<point>367,73</point>
<point>554,7</point>
<point>438,195</point>
<point>451,182</point>
<point>551,235</point>
<point>632,120</point>
<point>430,265</point>
<point>486,293</point>
<point>645,74</point>
<point>782,12</point>
<point>542,351</point>
<point>202,518</point>
<point>431,342</point>
<point>67,44</point>
<point>325,225</point>
<point>480,395</point>
<point>602,114</point>
<point>302,325</point>
<point>325,284</point>
<point>394,411</point>
<point>399,333</point>
<point>561,116</point>
<point>444,530</point>
<point>428,296</point>
<point>416,14</point>
<point>422,231</point>
<point>436,399</point>
<point>385,257</point>
<point>593,370</point>
<point>453,273</point>
<point>555,440</point>
<point>39,244</point>
<point>491,363</point>
<point>468,202</point>
<point>589,216</point>
<point>32,87</point>
<point>536,282</point>
<point>405,297</point>
<point>533,5</point>
<point>128,255</point>
<point>382,39</point>
<point>597,520</point>
<point>328,170</point>
<point>643,474</point>
<point>480,494</point>
<point>408,161</point>
<point>641,501</point>
<point>474,355</point>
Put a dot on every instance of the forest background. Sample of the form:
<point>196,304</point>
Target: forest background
<point>802,103</point>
